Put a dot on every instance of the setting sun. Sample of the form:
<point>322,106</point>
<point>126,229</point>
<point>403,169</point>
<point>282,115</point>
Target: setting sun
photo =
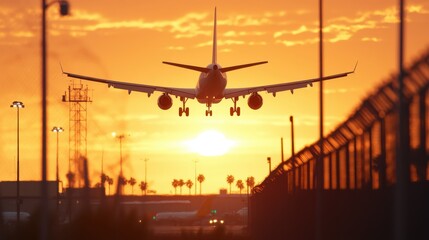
<point>210,143</point>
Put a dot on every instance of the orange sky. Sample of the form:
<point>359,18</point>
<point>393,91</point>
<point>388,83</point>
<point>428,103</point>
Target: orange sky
<point>127,40</point>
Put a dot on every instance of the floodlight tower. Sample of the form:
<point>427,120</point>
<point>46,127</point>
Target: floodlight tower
<point>78,99</point>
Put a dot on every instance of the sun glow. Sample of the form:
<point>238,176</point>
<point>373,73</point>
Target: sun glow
<point>210,143</point>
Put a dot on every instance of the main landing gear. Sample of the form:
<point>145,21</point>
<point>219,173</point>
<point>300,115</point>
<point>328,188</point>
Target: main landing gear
<point>234,109</point>
<point>185,109</point>
<point>209,112</point>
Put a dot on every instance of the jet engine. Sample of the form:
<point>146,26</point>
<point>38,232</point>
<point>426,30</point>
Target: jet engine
<point>165,102</point>
<point>255,101</point>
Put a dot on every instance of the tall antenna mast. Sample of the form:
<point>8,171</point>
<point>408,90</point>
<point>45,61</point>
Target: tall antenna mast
<point>78,98</point>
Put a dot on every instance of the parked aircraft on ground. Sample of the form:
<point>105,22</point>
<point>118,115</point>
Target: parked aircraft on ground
<point>183,217</point>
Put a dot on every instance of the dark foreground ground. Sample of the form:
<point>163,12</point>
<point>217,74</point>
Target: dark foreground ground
<point>109,224</point>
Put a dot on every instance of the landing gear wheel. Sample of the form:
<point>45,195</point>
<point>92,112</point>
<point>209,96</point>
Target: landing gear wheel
<point>234,109</point>
<point>209,112</point>
<point>183,109</point>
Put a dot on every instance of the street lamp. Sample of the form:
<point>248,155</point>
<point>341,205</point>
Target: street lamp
<point>57,130</point>
<point>120,137</point>
<point>269,165</point>
<point>64,10</point>
<point>293,152</point>
<point>17,105</point>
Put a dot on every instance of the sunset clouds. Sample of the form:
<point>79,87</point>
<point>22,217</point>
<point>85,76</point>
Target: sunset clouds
<point>277,25</point>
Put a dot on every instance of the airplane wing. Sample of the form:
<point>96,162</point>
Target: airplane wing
<point>274,88</point>
<point>149,89</point>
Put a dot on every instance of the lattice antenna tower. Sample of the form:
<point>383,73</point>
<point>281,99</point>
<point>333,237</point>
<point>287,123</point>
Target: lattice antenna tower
<point>78,98</point>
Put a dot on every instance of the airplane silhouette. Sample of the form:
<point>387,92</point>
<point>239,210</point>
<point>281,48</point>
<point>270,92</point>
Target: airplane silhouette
<point>211,85</point>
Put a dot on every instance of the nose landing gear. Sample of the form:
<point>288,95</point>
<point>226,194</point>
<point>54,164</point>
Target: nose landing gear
<point>209,112</point>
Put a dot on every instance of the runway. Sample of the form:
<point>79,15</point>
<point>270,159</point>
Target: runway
<point>236,230</point>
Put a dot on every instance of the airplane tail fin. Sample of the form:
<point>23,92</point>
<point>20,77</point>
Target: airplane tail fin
<point>214,57</point>
<point>205,208</point>
<point>214,54</point>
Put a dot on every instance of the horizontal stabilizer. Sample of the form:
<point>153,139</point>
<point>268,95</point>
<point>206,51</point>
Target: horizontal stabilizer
<point>195,68</point>
<point>227,69</point>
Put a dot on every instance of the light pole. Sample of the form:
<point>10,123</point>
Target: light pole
<point>269,165</point>
<point>120,137</point>
<point>57,130</point>
<point>64,10</point>
<point>17,105</point>
<point>293,152</point>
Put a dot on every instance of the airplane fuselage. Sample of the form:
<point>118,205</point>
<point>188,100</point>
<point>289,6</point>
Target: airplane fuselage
<point>211,85</point>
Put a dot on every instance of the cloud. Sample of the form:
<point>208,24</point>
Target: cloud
<point>222,43</point>
<point>289,43</point>
<point>23,34</point>
<point>261,43</point>
<point>344,28</point>
<point>82,22</point>
<point>303,29</point>
<point>389,15</point>
<point>193,33</point>
<point>371,39</point>
<point>233,33</point>
<point>78,15</point>
<point>243,21</point>
<point>341,36</point>
<point>417,9</point>
<point>193,24</point>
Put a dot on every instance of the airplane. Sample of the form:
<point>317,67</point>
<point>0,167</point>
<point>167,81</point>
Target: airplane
<point>211,85</point>
<point>186,216</point>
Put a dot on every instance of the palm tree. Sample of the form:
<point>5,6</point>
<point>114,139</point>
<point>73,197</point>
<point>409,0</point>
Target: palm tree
<point>181,184</point>
<point>250,182</point>
<point>109,181</point>
<point>201,179</point>
<point>230,180</point>
<point>132,182</point>
<point>103,179</point>
<point>189,184</point>
<point>143,187</point>
<point>71,178</point>
<point>122,181</point>
<point>240,185</point>
<point>175,184</point>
